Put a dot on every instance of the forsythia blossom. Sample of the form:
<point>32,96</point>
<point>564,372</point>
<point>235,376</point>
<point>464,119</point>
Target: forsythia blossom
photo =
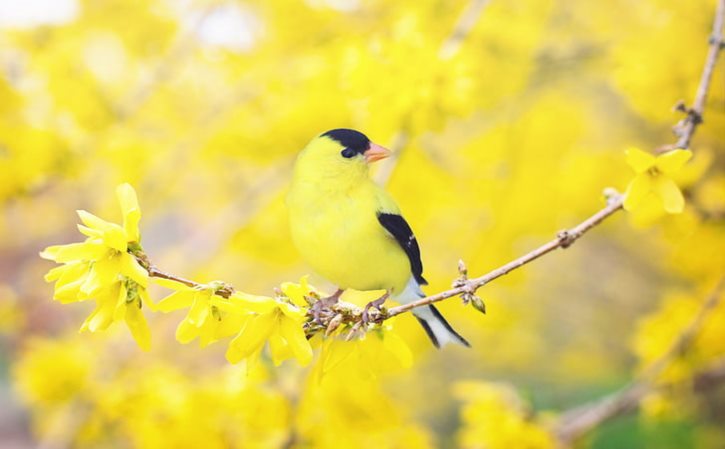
<point>268,319</point>
<point>101,268</point>
<point>653,180</point>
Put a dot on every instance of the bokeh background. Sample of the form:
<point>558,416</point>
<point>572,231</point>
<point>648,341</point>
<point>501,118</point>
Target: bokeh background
<point>508,119</point>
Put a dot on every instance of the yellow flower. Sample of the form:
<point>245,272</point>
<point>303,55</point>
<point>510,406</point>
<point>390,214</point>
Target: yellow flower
<point>268,319</point>
<point>205,319</point>
<point>373,353</point>
<point>652,180</point>
<point>297,292</point>
<point>102,269</point>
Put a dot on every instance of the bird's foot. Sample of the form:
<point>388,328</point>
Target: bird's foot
<point>324,303</point>
<point>378,304</point>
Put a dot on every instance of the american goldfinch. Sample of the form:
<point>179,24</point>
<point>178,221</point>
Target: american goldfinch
<point>351,231</point>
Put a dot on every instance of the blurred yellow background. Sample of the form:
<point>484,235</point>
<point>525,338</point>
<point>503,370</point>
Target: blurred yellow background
<point>508,119</point>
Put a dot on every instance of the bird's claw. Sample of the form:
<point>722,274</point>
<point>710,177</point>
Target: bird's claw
<point>324,303</point>
<point>378,304</point>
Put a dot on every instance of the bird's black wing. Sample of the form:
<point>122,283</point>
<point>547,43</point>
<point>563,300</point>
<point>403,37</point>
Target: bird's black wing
<point>399,228</point>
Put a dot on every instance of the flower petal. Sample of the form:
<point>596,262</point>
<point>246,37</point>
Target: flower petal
<point>186,331</point>
<point>131,211</point>
<point>133,270</point>
<point>252,337</point>
<point>143,294</point>
<point>208,332</point>
<point>88,250</point>
<point>171,284</point>
<point>89,232</point>
<point>70,292</point>
<point>102,316</point>
<point>113,235</point>
<point>639,160</point>
<point>293,332</point>
<point>136,322</point>
<point>637,190</point>
<point>279,348</point>
<point>102,274</point>
<point>252,303</point>
<point>93,221</point>
<point>672,161</point>
<point>63,271</point>
<point>292,311</point>
<point>672,199</point>
<point>175,301</point>
<point>199,308</point>
<point>297,292</point>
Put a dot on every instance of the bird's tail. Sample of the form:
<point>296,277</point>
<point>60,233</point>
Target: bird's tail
<point>437,328</point>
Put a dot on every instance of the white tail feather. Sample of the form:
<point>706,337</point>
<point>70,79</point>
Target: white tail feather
<point>437,328</point>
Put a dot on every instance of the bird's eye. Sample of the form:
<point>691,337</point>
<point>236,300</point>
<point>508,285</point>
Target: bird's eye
<point>348,153</point>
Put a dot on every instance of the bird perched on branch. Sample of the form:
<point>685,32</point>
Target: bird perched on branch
<point>351,231</point>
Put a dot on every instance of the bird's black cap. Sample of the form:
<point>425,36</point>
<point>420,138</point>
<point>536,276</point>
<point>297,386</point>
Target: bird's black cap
<point>349,138</point>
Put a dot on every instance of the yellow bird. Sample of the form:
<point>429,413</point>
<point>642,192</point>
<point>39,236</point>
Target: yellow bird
<point>351,231</point>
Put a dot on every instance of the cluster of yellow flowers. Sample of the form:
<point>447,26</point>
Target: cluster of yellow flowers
<point>104,268</point>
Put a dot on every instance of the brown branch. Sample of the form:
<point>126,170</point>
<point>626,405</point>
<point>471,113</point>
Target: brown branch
<point>578,421</point>
<point>225,291</point>
<point>563,240</point>
<point>352,315</point>
<point>686,127</point>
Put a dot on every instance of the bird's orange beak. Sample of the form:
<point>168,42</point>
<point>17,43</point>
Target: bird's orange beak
<point>375,153</point>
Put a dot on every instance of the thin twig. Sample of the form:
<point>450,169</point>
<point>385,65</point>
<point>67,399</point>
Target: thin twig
<point>225,291</point>
<point>686,127</point>
<point>584,418</point>
<point>563,240</point>
<point>581,419</point>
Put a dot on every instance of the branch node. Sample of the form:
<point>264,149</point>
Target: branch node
<point>566,238</point>
<point>468,289</point>
<point>716,40</point>
<point>680,106</point>
<point>462,269</point>
<point>221,288</point>
<point>612,196</point>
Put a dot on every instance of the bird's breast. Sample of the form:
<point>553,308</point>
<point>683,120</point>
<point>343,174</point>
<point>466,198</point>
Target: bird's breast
<point>338,234</point>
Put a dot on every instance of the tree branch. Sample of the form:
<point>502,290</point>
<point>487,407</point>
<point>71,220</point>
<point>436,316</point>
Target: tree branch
<point>686,127</point>
<point>584,418</point>
<point>563,240</point>
<point>225,291</point>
